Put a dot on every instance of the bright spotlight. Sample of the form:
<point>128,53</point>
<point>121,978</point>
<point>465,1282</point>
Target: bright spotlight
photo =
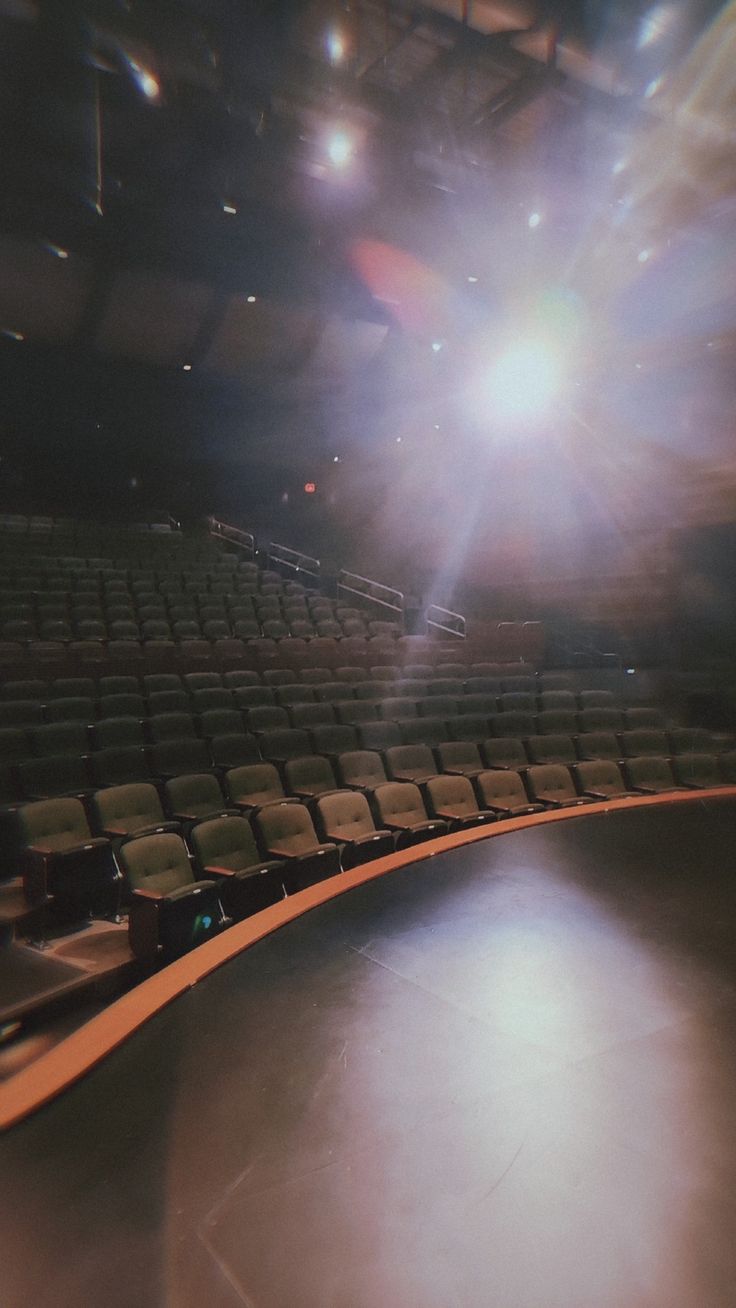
<point>340,149</point>
<point>534,219</point>
<point>335,45</point>
<point>145,80</point>
<point>524,381</point>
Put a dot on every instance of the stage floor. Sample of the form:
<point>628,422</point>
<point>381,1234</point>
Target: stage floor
<point>504,1077</point>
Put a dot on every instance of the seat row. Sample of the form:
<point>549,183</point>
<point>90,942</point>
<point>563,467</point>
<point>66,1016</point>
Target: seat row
<point>188,871</point>
<point>412,676</point>
<point>176,712</point>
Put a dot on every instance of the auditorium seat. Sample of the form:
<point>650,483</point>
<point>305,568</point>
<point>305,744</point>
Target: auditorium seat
<point>72,688</point>
<point>642,741</point>
<point>168,701</point>
<point>21,713</point>
<point>155,682</point>
<point>690,740</point>
<point>253,784</point>
<point>220,722</point>
<point>129,810</point>
<point>355,711</point>
<point>399,807</point>
<point>175,758</point>
<point>225,852</point>
<point>211,697</point>
<point>54,776</point>
<point>422,731</point>
<point>554,681</point>
<point>696,771</point>
<point>481,703</point>
<point>598,744</point>
<point>468,726</point>
<point>360,769</point>
<point>31,689</point>
<point>600,779</point>
<point>600,719</point>
<point>232,750</point>
<point>59,738</point>
<point>557,722</point>
<point>247,697</point>
<point>242,677</point>
<point>308,776</point>
<point>551,784</point>
<point>453,799</point>
<point>558,699</point>
<point>440,706</point>
<point>410,763</point>
<point>596,699</point>
<point>461,757</point>
<point>515,724</point>
<point>312,715</point>
<point>397,709</point>
<point>551,749</point>
<point>335,692</point>
<point>119,765</point>
<point>335,739</point>
<point>122,705</point>
<point>644,718</point>
<point>650,775</point>
<point>170,912</point>
<point>267,717</point>
<point>287,832</point>
<point>295,693</point>
<point>504,752</point>
<point>193,796</point>
<point>171,726</point>
<point>65,867</point>
<point>345,819</point>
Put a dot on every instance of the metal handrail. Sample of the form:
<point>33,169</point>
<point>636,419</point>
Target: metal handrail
<point>294,559</point>
<point>233,535</point>
<point>346,580</point>
<point>444,619</point>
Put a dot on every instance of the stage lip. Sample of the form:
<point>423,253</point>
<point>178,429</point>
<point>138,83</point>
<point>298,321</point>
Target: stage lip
<point>77,1055</point>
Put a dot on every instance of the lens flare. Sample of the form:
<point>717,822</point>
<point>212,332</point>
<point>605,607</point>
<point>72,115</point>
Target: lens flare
<point>524,381</point>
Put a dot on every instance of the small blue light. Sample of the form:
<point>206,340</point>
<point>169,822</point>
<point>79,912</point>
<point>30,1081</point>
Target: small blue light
<point>206,921</point>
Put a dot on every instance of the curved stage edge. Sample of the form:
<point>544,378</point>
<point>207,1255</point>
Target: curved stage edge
<point>70,1060</point>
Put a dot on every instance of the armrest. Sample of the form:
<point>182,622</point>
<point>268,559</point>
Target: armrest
<point>45,851</point>
<point>151,895</point>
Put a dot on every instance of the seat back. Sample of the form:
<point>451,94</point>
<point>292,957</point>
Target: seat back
<point>254,784</point>
<point>345,815</point>
<point>550,783</point>
<point>642,741</point>
<point>600,775</point>
<point>360,767</point>
<point>696,770</point>
<point>459,756</point>
<point>410,762</point>
<point>504,752</point>
<point>159,863</point>
<point>650,772</point>
<point>502,789</point>
<point>289,828</point>
<point>399,803</point>
<point>194,794</point>
<point>225,842</point>
<point>598,744</point>
<point>551,749</point>
<point>453,795</point>
<point>55,824</point>
<point>309,775</point>
<point>127,808</point>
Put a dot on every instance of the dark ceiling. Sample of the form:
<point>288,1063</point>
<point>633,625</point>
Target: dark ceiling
<point>180,261</point>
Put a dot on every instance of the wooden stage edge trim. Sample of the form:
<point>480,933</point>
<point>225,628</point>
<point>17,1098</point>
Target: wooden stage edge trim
<point>76,1055</point>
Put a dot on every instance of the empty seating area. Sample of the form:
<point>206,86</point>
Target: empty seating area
<point>187,738</point>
